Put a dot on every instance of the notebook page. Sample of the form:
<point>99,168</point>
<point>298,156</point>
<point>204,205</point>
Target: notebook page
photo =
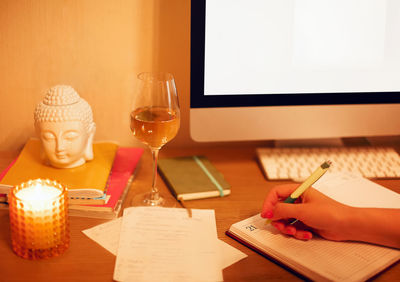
<point>354,190</point>
<point>346,261</point>
<point>164,244</point>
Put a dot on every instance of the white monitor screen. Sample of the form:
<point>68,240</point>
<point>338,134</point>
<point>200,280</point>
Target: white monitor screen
<point>266,53</point>
<point>304,46</point>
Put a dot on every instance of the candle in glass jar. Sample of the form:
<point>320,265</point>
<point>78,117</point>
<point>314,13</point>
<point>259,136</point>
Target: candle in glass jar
<point>38,219</point>
<point>38,206</point>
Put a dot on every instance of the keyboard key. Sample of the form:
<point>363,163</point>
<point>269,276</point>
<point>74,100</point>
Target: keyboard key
<point>299,163</point>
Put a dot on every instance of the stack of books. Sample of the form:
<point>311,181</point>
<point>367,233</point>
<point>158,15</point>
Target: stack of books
<point>95,189</point>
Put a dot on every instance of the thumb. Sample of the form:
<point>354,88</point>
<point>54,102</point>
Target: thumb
<point>283,210</point>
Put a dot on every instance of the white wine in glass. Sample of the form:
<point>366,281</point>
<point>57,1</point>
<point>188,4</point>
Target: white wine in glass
<point>155,120</point>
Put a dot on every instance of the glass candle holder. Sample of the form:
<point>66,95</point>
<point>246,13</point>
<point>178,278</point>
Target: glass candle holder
<point>39,219</point>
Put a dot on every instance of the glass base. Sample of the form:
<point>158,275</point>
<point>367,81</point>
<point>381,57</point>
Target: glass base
<point>148,199</point>
<point>36,254</point>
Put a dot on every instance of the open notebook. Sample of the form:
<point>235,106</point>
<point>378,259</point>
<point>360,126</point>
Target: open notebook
<point>320,259</point>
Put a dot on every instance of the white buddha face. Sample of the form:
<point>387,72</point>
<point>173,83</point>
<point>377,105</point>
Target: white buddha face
<point>64,124</point>
<point>64,143</point>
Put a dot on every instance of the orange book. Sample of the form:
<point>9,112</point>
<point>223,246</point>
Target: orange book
<point>86,183</point>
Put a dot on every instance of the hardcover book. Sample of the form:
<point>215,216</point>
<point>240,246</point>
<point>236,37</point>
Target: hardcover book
<point>193,177</point>
<point>86,183</point>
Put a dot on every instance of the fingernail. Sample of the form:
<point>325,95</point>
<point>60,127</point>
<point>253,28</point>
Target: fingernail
<point>290,231</point>
<point>267,214</point>
<point>307,236</point>
<point>275,225</point>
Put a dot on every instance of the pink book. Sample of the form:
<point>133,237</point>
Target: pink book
<point>124,166</point>
<point>3,197</point>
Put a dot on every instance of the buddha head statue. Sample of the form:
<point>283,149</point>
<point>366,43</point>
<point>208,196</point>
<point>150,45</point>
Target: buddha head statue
<point>64,124</point>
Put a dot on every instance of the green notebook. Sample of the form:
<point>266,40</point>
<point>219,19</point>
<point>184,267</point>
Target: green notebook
<point>193,177</point>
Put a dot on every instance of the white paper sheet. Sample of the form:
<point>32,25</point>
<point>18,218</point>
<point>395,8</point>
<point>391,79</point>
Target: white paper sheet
<point>354,190</point>
<point>164,244</point>
<point>108,234</point>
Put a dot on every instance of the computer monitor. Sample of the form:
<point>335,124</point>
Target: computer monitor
<point>287,69</point>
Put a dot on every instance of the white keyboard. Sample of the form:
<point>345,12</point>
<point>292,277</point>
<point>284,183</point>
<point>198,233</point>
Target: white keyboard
<point>298,163</point>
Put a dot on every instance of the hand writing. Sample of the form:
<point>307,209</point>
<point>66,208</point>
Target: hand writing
<point>315,211</point>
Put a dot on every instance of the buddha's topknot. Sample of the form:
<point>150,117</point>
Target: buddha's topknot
<point>62,103</point>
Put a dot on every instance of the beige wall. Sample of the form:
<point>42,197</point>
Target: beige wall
<point>96,46</point>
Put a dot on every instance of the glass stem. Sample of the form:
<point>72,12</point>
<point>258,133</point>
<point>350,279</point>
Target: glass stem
<point>154,190</point>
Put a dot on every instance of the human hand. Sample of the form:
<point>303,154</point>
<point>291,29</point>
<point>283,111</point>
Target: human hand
<point>315,211</point>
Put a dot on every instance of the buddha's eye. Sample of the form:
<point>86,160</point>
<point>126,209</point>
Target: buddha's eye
<point>71,135</point>
<point>48,136</point>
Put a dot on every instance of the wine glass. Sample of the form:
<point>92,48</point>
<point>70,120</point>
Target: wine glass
<point>155,120</point>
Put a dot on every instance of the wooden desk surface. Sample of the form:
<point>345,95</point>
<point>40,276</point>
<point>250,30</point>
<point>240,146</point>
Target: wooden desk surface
<point>85,260</point>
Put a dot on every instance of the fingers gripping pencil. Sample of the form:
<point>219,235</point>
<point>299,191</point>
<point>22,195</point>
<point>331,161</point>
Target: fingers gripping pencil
<point>307,183</point>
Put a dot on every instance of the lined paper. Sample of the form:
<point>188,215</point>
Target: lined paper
<point>107,236</point>
<point>164,244</point>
